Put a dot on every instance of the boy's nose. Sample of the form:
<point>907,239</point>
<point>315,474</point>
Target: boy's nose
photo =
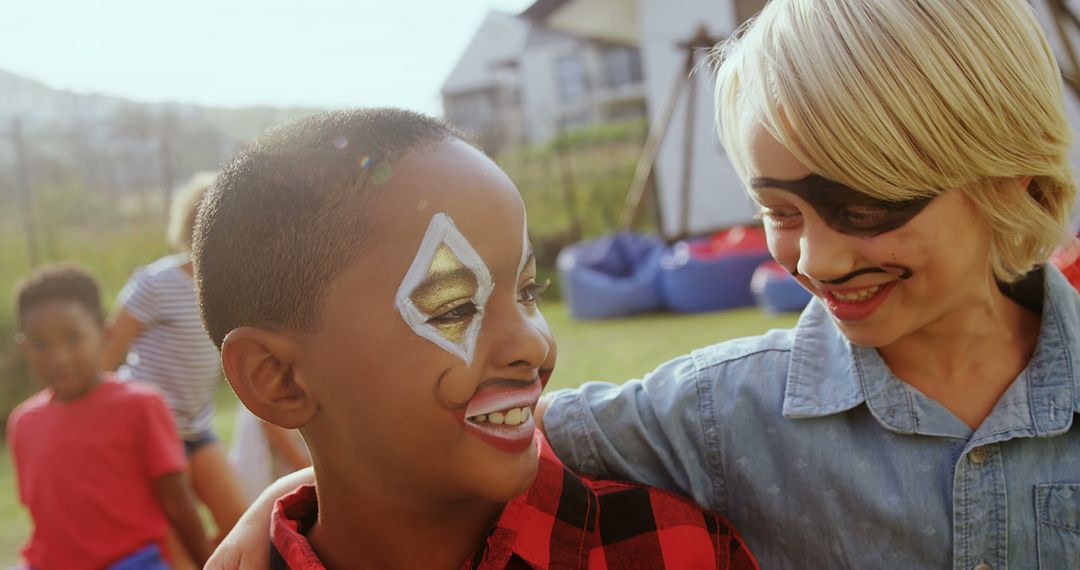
<point>520,342</point>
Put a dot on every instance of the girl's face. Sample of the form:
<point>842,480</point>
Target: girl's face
<point>883,270</point>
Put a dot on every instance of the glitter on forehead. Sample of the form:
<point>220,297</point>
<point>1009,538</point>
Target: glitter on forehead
<point>341,142</point>
<point>446,268</point>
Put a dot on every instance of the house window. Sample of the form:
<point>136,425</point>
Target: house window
<point>570,73</point>
<point>622,66</point>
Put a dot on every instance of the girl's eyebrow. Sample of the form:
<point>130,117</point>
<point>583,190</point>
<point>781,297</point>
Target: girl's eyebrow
<point>808,182</point>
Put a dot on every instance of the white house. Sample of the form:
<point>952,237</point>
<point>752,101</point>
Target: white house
<point>518,82</point>
<point>569,82</point>
<point>482,92</point>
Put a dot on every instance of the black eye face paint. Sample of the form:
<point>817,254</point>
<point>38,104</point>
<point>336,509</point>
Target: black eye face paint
<point>845,210</point>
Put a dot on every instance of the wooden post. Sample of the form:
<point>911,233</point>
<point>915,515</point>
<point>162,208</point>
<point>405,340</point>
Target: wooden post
<point>569,187</point>
<point>26,197</point>
<point>1061,13</point>
<point>644,170</point>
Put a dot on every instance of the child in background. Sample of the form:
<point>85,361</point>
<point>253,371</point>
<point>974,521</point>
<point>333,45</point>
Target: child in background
<point>156,336</point>
<point>261,452</point>
<point>99,464</point>
<point>369,280</point>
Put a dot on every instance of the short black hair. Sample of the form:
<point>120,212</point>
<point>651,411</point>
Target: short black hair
<point>59,282</point>
<point>286,215</point>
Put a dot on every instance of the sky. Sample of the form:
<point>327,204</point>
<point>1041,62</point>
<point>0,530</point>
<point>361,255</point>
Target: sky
<point>321,53</point>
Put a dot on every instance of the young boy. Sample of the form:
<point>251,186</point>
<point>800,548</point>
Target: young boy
<point>369,280</point>
<point>99,462</point>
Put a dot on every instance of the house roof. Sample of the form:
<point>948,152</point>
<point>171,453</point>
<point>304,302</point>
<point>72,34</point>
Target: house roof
<point>499,40</point>
<point>610,20</point>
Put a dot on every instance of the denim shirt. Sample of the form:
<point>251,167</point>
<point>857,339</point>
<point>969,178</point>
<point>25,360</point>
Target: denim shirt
<point>822,458</point>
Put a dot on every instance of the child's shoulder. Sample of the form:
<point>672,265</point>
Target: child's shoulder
<point>165,268</point>
<point>636,513</point>
<point>134,392</point>
<point>30,406</point>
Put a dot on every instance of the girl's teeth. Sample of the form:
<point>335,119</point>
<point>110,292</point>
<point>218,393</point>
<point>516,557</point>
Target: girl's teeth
<point>857,295</point>
<point>511,417</point>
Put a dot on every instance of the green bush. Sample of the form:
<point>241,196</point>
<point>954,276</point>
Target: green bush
<point>111,240</point>
<point>575,187</point>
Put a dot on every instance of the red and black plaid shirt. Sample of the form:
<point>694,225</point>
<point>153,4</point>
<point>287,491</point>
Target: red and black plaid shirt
<point>563,521</point>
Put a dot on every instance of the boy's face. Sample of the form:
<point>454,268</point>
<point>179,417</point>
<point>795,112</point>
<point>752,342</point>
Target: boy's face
<point>62,342</point>
<point>431,353</point>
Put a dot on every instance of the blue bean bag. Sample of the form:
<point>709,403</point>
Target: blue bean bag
<point>712,274</point>
<point>612,276</point>
<point>776,290</point>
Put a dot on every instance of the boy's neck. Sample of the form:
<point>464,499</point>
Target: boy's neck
<point>358,528</point>
<point>84,393</point>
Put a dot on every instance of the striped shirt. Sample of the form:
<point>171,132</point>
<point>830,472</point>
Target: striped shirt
<point>173,351</point>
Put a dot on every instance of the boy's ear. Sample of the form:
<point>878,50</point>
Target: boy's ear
<point>259,365</point>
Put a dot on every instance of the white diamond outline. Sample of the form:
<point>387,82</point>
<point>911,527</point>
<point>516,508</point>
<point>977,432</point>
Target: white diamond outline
<point>442,230</point>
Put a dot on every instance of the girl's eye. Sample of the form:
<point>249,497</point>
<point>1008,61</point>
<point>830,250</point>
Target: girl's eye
<point>780,219</point>
<point>531,293</point>
<point>455,314</point>
<point>865,216</point>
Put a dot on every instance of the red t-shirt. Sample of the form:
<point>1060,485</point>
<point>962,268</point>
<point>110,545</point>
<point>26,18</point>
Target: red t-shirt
<point>86,469</point>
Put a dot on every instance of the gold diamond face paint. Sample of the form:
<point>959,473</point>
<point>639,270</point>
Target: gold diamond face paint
<point>447,283</point>
<point>443,294</point>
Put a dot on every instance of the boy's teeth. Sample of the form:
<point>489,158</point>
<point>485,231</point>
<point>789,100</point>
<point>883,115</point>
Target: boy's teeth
<point>511,417</point>
<point>860,295</point>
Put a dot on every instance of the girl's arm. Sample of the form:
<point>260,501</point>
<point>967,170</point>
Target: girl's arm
<point>247,546</point>
<point>122,329</point>
<point>173,491</point>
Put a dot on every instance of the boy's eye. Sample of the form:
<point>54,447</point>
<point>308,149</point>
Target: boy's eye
<point>780,218</point>
<point>864,217</point>
<point>531,293</point>
<point>454,314</point>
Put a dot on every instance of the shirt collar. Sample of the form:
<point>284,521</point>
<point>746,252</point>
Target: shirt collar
<point>292,517</point>
<point>828,375</point>
<point>526,527</point>
<point>821,378</point>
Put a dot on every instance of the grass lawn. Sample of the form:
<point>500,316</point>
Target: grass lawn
<point>600,350</point>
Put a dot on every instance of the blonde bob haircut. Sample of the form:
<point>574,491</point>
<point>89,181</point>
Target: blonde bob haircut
<point>907,98</point>
<point>184,208</point>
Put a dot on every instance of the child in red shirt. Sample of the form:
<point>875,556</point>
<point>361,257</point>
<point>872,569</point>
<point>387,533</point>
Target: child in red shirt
<point>369,280</point>
<point>99,463</point>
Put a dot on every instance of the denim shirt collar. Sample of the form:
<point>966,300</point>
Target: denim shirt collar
<point>829,375</point>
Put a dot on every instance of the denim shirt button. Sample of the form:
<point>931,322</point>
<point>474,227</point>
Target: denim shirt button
<point>982,565</point>
<point>978,457</point>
